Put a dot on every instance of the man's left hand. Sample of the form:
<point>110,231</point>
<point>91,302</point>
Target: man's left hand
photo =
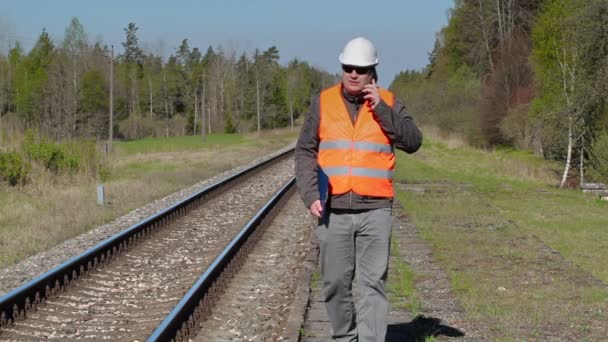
<point>371,94</point>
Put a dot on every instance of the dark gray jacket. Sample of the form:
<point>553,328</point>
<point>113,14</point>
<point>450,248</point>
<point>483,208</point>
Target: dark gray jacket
<point>396,123</point>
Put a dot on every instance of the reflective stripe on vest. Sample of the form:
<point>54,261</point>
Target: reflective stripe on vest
<point>357,157</point>
<point>357,171</point>
<point>357,145</point>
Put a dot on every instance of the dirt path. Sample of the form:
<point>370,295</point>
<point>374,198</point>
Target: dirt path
<point>441,313</point>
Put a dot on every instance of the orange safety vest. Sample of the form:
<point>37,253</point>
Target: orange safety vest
<point>357,158</point>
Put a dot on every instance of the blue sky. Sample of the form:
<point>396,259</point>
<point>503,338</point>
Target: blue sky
<point>314,31</point>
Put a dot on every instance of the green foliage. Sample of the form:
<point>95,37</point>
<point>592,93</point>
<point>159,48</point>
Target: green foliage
<point>446,102</point>
<point>13,169</point>
<point>31,76</point>
<point>457,43</point>
<point>514,73</point>
<point>133,54</point>
<point>477,29</point>
<point>15,54</point>
<point>570,54</point>
<point>598,168</point>
<point>554,46</point>
<point>63,90</point>
<point>65,157</point>
<point>80,155</point>
<point>93,95</point>
<point>50,155</point>
<point>230,127</point>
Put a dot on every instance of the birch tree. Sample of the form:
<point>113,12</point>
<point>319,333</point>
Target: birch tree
<point>556,55</point>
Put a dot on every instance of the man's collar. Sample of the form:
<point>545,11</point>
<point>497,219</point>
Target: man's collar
<point>352,98</point>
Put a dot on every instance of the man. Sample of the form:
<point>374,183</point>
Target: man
<point>344,170</point>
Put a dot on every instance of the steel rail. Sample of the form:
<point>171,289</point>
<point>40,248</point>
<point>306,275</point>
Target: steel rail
<point>16,303</point>
<point>181,321</point>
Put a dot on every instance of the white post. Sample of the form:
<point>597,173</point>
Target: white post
<point>100,195</point>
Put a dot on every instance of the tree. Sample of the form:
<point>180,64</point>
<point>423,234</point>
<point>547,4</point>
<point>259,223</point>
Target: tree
<point>593,38</point>
<point>62,92</point>
<point>15,56</point>
<point>75,45</point>
<point>296,88</point>
<point>3,91</point>
<point>188,84</point>
<point>598,169</point>
<point>557,64</point>
<point>246,90</point>
<point>94,102</point>
<point>31,76</point>
<point>132,58</point>
<point>267,93</point>
<point>507,92</point>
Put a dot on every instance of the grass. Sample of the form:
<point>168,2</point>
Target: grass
<point>315,280</point>
<point>521,254</point>
<point>52,209</point>
<point>401,283</point>
<point>176,144</point>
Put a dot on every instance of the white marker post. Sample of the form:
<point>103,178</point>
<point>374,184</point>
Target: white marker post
<point>100,195</point>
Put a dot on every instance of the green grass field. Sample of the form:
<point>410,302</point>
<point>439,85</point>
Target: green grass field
<point>495,220</point>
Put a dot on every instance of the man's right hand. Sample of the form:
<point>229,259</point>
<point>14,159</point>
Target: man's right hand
<point>316,208</point>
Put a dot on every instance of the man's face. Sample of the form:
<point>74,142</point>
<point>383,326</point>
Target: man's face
<point>354,78</point>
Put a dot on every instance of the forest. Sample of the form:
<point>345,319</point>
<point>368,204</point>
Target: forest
<point>63,102</point>
<point>62,89</point>
<point>524,74</point>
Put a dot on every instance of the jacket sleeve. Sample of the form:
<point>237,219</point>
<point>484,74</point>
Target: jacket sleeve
<point>307,148</point>
<point>399,126</point>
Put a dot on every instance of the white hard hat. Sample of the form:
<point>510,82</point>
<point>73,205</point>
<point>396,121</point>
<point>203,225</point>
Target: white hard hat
<point>359,52</point>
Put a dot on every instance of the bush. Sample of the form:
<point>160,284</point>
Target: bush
<point>55,157</point>
<point>52,157</point>
<point>80,155</point>
<point>598,163</point>
<point>138,127</point>
<point>13,169</point>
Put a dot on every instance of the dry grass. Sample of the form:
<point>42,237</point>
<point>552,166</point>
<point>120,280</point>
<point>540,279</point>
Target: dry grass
<point>35,220</point>
<point>450,139</point>
<point>55,208</point>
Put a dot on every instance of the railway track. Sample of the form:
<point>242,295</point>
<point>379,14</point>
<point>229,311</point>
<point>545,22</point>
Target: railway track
<point>158,279</point>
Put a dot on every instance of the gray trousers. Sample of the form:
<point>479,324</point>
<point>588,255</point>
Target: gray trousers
<point>355,241</point>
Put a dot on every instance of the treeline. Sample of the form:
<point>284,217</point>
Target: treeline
<point>530,74</point>
<point>62,89</point>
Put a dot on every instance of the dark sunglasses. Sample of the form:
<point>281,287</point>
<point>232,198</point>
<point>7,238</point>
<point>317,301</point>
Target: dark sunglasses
<point>359,70</point>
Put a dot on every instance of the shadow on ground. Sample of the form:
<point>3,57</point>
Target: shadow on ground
<point>419,330</point>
